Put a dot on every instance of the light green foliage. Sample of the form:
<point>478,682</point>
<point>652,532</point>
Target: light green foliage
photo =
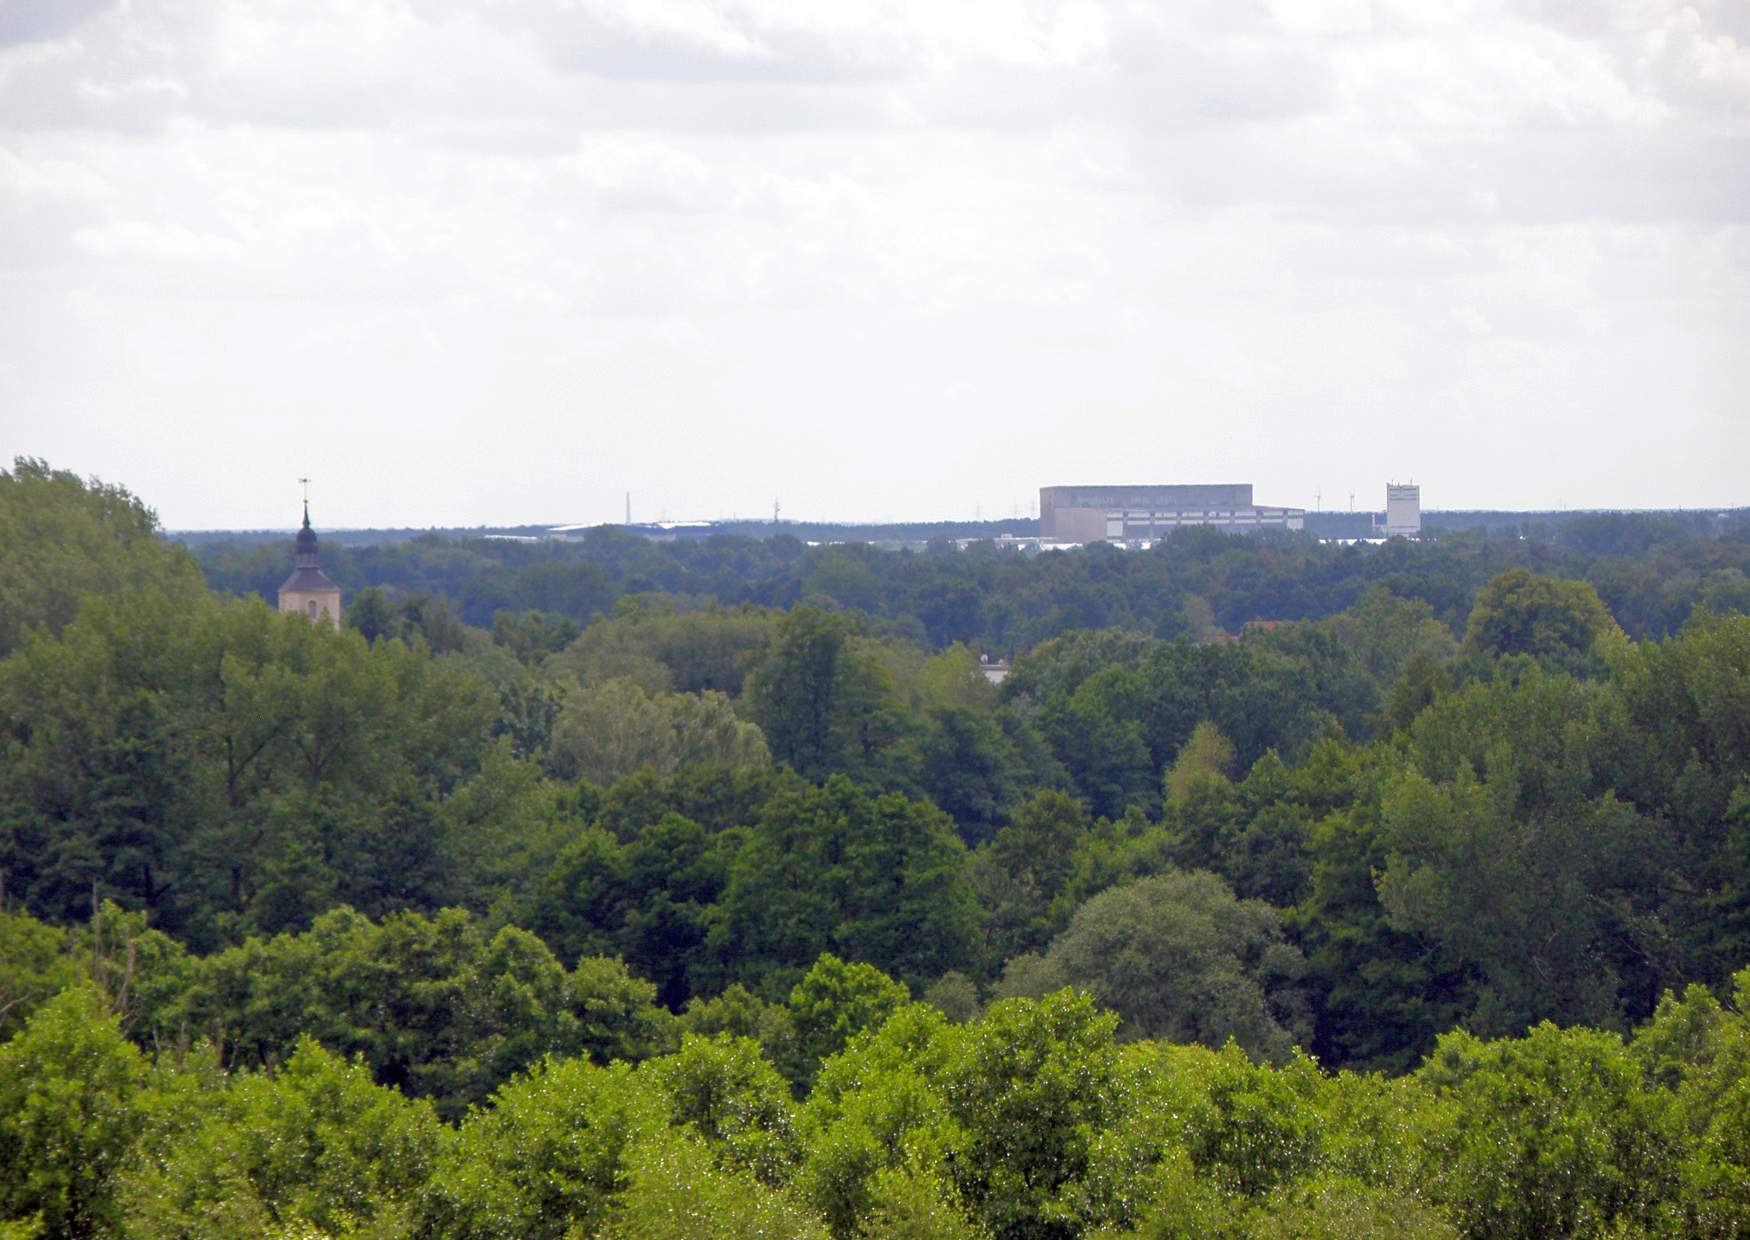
<point>609,730</point>
<point>314,1145</point>
<point>675,1190</point>
<point>1178,957</point>
<point>1028,1089</point>
<point>732,1097</point>
<point>663,649</point>
<point>63,541</point>
<point>1700,1050</point>
<point>1247,1127</point>
<point>876,1106</point>
<point>835,1001</point>
<point>34,965</point>
<point>544,1161</point>
<point>740,1012</point>
<point>951,680</point>
<point>72,1095</point>
<point>1374,1128</point>
<point>1343,1208</point>
<point>1179,1204</point>
<point>1550,1134</point>
<point>915,1206</point>
<point>1206,755</point>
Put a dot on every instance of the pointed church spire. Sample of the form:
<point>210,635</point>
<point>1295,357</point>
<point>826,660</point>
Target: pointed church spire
<point>309,591</point>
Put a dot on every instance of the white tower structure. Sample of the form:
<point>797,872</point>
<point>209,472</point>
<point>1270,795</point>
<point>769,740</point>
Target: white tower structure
<point>1403,510</point>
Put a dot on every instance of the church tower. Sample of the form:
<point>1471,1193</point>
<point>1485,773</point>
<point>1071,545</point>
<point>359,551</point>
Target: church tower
<point>309,591</point>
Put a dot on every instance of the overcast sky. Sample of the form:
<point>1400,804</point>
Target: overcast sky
<point>505,261</point>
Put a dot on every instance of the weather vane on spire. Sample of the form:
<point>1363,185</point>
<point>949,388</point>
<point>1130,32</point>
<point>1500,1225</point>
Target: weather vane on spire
<point>306,483</point>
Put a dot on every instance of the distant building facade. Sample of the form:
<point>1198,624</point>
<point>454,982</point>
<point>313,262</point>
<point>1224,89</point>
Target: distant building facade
<point>1144,513</point>
<point>309,591</point>
<point>1403,510</point>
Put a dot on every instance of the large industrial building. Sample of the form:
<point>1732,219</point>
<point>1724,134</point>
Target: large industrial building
<point>1403,510</point>
<point>1145,513</point>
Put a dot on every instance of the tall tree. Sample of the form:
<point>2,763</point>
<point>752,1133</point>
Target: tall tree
<point>63,540</point>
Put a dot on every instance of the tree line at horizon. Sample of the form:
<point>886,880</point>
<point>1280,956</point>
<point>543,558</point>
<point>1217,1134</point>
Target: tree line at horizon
<point>729,843</point>
<point>1649,569</point>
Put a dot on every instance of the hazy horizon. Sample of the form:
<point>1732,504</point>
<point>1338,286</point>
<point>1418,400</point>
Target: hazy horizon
<point>896,261</point>
<point>803,519</point>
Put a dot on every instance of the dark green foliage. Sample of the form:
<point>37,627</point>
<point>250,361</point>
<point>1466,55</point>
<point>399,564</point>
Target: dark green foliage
<point>1022,875</point>
<point>228,768</point>
<point>1381,994</point>
<point>436,1007</point>
<point>877,879</point>
<point>1007,603</point>
<point>533,635</point>
<point>971,769</point>
<point>800,696</point>
<point>338,942</point>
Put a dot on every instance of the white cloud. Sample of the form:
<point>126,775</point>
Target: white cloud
<point>880,257</point>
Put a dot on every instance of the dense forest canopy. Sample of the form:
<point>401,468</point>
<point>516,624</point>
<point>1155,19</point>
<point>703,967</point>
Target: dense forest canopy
<point>616,888</point>
<point>1650,571</point>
